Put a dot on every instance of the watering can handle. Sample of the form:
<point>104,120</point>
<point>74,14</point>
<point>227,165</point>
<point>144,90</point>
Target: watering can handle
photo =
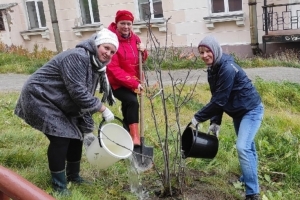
<point>196,132</point>
<point>191,124</point>
<point>101,124</point>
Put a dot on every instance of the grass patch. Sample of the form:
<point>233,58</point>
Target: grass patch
<point>23,150</point>
<point>285,58</point>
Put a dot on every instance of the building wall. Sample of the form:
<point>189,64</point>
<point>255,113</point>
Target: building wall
<point>13,24</point>
<point>185,28</point>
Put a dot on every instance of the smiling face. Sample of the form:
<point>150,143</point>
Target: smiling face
<point>206,55</point>
<point>124,27</point>
<point>106,51</point>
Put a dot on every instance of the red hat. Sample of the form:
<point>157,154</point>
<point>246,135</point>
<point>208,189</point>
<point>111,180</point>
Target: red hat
<point>124,15</point>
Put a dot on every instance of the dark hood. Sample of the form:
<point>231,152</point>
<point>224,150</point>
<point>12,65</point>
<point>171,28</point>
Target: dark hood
<point>225,58</point>
<point>89,44</point>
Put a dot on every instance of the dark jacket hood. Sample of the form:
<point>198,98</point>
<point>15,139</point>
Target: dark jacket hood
<point>89,44</point>
<point>224,59</point>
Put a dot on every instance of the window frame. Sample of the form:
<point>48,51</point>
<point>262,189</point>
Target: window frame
<point>226,9</point>
<point>2,21</point>
<point>91,13</point>
<point>40,26</point>
<point>151,10</point>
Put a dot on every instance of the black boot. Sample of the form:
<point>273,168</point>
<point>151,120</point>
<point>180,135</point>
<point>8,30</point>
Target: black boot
<point>252,197</point>
<point>73,169</point>
<point>59,183</point>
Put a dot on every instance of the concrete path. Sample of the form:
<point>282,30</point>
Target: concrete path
<point>14,82</point>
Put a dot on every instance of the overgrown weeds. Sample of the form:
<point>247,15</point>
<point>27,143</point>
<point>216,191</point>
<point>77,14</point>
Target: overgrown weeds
<point>16,59</point>
<point>284,58</point>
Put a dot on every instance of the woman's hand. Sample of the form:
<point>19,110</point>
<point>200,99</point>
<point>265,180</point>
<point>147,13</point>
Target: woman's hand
<point>139,89</point>
<point>141,47</point>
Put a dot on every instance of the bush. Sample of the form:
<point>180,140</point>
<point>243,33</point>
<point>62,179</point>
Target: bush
<point>174,58</point>
<point>16,59</point>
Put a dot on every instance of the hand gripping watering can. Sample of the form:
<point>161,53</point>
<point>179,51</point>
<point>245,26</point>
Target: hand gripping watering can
<point>113,143</point>
<point>197,144</point>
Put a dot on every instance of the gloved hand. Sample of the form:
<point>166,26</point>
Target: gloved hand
<point>194,121</point>
<point>214,128</point>
<point>108,115</point>
<point>88,138</point>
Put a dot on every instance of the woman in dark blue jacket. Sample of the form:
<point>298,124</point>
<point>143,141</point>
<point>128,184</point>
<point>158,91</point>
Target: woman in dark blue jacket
<point>233,93</point>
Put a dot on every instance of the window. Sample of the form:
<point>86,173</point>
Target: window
<point>36,14</point>
<point>150,9</point>
<point>225,6</point>
<point>89,11</point>
<point>224,11</point>
<point>2,27</point>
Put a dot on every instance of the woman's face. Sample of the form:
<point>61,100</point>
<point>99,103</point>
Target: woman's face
<point>106,51</point>
<point>124,27</point>
<point>206,55</point>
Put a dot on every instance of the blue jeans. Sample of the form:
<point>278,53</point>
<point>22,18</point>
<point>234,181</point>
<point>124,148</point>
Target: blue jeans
<point>246,129</point>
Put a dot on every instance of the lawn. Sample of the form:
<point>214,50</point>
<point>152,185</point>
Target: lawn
<point>23,150</point>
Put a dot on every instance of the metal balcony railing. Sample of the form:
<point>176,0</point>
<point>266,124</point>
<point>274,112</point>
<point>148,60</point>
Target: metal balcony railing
<point>280,17</point>
<point>281,23</point>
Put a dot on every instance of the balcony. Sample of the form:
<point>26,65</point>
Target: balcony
<point>281,23</point>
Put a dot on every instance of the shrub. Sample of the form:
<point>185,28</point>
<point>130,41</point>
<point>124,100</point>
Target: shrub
<point>17,59</point>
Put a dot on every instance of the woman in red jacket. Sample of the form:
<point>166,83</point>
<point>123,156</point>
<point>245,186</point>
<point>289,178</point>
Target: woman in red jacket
<point>123,71</point>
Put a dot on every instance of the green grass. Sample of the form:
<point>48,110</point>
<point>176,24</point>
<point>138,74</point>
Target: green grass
<point>23,150</point>
<point>11,63</point>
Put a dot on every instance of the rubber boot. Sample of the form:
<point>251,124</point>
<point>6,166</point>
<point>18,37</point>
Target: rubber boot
<point>59,183</point>
<point>73,169</point>
<point>135,135</point>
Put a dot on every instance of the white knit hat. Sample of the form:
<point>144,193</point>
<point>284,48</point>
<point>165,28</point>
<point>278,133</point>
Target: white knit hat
<point>106,36</point>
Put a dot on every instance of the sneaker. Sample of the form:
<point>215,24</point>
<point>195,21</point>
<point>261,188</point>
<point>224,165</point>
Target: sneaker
<point>252,197</point>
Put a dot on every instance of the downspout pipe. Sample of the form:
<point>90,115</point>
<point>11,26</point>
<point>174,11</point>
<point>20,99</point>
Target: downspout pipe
<point>14,186</point>
<point>55,26</point>
<point>253,27</point>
